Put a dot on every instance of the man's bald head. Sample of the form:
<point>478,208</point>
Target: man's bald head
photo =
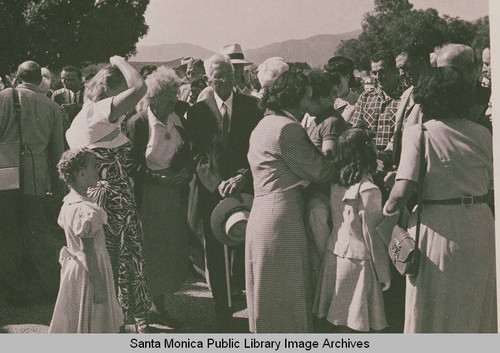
<point>460,56</point>
<point>29,72</point>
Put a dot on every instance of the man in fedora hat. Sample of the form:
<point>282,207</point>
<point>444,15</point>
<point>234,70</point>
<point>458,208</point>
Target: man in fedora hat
<point>220,127</point>
<point>235,53</point>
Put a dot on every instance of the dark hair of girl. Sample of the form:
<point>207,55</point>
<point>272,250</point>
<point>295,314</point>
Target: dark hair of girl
<point>354,156</point>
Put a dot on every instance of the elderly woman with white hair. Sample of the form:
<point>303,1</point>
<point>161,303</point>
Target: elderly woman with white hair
<point>161,171</point>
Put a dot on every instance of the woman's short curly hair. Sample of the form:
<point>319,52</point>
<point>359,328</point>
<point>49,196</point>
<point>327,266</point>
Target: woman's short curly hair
<point>443,92</point>
<point>72,161</point>
<point>354,156</point>
<point>286,91</point>
<point>164,78</point>
<point>109,77</point>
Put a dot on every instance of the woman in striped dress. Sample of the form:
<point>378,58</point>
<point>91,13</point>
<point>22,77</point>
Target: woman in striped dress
<point>113,92</point>
<point>283,160</point>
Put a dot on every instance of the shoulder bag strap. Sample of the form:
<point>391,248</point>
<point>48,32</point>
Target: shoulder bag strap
<point>17,114</point>
<point>420,186</point>
<point>17,118</point>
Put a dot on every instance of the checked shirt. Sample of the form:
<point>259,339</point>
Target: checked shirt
<point>376,110</point>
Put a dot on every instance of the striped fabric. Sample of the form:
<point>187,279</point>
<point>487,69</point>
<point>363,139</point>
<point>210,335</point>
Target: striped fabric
<point>281,157</point>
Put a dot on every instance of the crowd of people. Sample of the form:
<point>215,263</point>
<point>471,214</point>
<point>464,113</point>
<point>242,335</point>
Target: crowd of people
<point>142,160</point>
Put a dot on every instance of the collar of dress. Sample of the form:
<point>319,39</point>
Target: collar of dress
<point>74,197</point>
<point>364,184</point>
<point>153,120</point>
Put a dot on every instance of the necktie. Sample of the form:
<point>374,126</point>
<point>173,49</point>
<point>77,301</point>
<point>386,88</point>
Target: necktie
<point>225,122</point>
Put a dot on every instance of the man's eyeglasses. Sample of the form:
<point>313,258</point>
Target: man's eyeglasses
<point>214,80</point>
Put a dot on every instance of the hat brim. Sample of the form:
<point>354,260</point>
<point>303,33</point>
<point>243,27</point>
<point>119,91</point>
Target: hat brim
<point>240,61</point>
<point>219,216</point>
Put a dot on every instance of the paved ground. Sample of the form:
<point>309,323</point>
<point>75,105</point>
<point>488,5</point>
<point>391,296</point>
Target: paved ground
<point>192,305</point>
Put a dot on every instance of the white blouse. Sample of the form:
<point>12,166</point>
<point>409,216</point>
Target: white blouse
<point>91,127</point>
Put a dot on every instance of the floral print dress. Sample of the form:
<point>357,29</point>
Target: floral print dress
<point>123,234</point>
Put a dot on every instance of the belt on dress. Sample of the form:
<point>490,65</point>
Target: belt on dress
<point>79,257</point>
<point>464,201</point>
<point>157,177</point>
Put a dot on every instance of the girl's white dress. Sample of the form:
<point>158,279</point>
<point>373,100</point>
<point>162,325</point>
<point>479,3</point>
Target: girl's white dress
<point>75,310</point>
<point>356,262</point>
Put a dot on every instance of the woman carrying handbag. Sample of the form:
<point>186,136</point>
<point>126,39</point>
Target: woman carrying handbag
<point>454,290</point>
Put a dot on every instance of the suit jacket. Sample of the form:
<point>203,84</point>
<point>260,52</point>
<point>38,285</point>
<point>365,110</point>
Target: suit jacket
<point>215,161</point>
<point>42,132</point>
<point>66,96</point>
<point>405,107</point>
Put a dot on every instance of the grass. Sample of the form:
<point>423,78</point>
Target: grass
<point>192,304</point>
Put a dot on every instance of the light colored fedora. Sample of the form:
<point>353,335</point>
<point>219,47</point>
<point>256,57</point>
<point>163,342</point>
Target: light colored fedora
<point>229,219</point>
<point>235,53</point>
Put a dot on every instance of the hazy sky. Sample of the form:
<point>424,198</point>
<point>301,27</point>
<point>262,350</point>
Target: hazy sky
<point>255,23</point>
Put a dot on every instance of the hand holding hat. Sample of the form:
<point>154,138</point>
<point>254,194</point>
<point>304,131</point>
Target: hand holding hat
<point>229,219</point>
<point>231,186</point>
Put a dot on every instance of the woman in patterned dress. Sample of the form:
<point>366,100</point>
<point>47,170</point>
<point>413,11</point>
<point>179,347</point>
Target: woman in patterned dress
<point>283,160</point>
<point>113,92</point>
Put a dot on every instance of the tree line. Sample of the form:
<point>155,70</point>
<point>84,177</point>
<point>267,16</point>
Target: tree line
<point>395,25</point>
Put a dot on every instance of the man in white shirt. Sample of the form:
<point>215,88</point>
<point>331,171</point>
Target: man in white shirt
<point>220,126</point>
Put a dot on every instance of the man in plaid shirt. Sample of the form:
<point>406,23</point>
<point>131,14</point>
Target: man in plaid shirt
<point>376,110</point>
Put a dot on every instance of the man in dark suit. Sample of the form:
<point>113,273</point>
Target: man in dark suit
<point>220,128</point>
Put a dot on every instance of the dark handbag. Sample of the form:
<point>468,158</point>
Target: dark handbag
<point>10,152</point>
<point>403,250</point>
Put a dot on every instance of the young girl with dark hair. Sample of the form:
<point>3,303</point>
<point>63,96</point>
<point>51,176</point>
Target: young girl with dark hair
<point>355,268</point>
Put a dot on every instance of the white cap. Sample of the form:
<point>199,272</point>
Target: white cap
<point>270,70</point>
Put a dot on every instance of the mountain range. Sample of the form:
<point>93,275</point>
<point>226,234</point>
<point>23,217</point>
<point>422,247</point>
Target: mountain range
<point>315,50</point>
